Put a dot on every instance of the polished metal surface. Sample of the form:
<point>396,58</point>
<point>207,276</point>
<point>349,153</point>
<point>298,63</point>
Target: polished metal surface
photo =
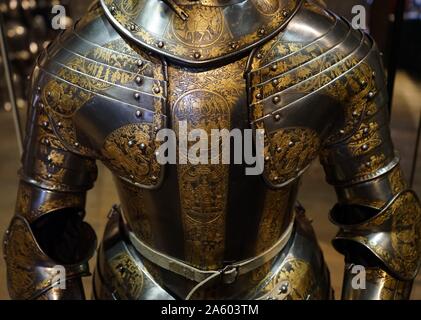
<point>392,235</point>
<point>316,87</point>
<point>32,274</point>
<point>380,285</point>
<point>208,34</point>
<point>122,273</point>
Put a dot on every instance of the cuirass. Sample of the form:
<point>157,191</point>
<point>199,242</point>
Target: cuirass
<point>109,86</point>
<point>154,90</point>
<point>107,98</point>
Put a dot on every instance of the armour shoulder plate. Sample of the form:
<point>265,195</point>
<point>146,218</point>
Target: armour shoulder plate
<point>101,94</point>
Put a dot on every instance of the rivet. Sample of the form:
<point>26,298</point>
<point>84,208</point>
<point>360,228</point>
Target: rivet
<point>291,144</point>
<point>363,83</point>
<point>259,56</point>
<point>130,143</point>
<point>76,144</point>
<point>131,177</point>
<point>267,158</point>
<point>160,44</point>
<point>132,27</point>
<point>275,82</point>
<point>197,55</point>
<point>156,90</point>
<point>39,89</point>
<point>137,96</point>
<point>277,117</point>
<point>49,176</point>
<point>284,288</point>
<point>276,99</point>
<point>139,114</point>
<point>47,142</point>
<point>259,96</point>
<point>49,159</point>
<point>366,131</point>
<point>49,93</point>
<point>342,132</point>
<point>7,232</point>
<point>355,114</point>
<point>139,63</point>
<point>365,147</point>
<point>154,178</point>
<point>368,164</point>
<point>112,9</point>
<point>374,74</point>
<point>60,124</point>
<point>233,45</point>
<point>371,95</point>
<point>274,67</point>
<point>142,146</point>
<point>278,149</point>
<point>262,31</point>
<point>138,80</point>
<point>276,178</point>
<point>45,124</point>
<point>285,13</point>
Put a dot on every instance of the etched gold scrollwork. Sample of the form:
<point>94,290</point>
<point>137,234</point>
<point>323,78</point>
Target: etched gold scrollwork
<point>294,281</point>
<point>391,288</point>
<point>203,28</point>
<point>397,180</point>
<point>288,152</point>
<point>205,34</point>
<point>127,275</point>
<point>267,7</point>
<point>203,188</point>
<point>130,151</point>
<point>400,249</point>
<point>205,101</point>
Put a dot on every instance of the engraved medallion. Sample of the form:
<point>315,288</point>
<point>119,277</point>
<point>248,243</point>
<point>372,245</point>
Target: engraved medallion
<point>203,28</point>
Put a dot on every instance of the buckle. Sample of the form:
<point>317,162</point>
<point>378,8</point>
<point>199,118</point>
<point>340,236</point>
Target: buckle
<point>229,274</point>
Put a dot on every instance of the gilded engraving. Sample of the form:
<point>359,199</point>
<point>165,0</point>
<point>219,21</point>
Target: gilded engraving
<point>127,275</point>
<point>203,28</point>
<point>208,37</point>
<point>406,238</point>
<point>294,281</point>
<point>130,7</point>
<point>290,151</point>
<point>205,101</point>
<point>267,7</point>
<point>397,180</point>
<point>273,218</point>
<point>399,225</point>
<point>203,188</point>
<point>130,151</point>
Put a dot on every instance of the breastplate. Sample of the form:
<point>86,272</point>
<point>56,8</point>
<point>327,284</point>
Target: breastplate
<point>201,212</point>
